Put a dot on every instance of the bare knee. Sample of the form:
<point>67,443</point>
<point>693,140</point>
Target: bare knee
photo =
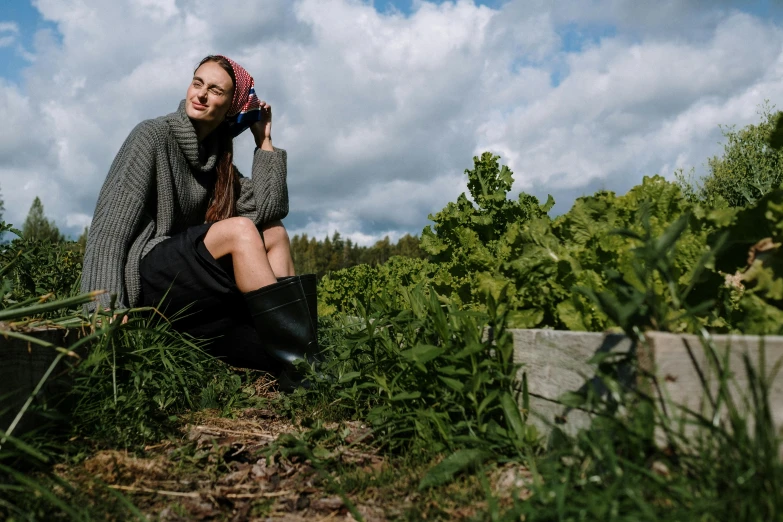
<point>243,232</point>
<point>232,236</point>
<point>275,235</point>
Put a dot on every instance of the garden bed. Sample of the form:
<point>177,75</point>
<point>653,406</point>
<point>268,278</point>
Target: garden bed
<point>26,356</point>
<point>554,363</point>
<point>557,362</point>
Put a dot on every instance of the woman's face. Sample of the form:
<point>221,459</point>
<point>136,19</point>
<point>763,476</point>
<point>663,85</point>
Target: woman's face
<point>209,95</point>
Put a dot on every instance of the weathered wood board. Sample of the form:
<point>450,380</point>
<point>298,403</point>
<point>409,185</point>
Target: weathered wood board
<point>556,362</point>
<point>677,357</point>
<point>22,364</point>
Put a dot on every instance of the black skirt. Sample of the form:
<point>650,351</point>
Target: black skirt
<point>199,295</point>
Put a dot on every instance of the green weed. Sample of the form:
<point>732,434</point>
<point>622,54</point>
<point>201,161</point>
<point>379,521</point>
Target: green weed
<point>426,376</point>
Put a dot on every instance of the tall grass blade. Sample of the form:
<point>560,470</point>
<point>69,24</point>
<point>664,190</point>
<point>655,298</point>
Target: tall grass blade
<point>42,308</point>
<point>453,464</point>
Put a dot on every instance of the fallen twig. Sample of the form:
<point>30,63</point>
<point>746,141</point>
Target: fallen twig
<point>133,489</point>
<point>212,430</point>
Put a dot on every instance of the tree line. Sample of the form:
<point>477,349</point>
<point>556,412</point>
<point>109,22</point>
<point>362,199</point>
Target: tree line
<point>310,255</point>
<point>37,227</point>
<point>313,256</point>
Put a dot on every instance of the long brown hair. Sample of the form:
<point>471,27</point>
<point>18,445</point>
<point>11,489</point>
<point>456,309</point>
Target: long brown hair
<point>226,191</point>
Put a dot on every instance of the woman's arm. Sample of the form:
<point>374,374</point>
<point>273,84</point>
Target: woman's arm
<point>118,215</point>
<point>264,197</point>
<point>266,144</point>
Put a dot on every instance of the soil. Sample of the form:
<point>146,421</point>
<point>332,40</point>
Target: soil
<point>242,468</point>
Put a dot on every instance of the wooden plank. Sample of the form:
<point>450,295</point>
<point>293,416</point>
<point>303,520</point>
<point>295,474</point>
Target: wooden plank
<point>556,362</point>
<point>679,359</point>
<point>22,365</point>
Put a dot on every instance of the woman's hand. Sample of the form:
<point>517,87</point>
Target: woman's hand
<point>262,129</point>
<point>99,322</point>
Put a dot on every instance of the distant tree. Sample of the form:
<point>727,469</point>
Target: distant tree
<point>749,167</point>
<point>304,253</point>
<point>324,256</point>
<point>408,246</point>
<point>349,254</point>
<point>2,206</point>
<point>381,251</point>
<point>335,259</point>
<point>36,226</point>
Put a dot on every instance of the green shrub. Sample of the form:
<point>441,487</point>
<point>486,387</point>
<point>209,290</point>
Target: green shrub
<point>749,167</point>
<point>35,267</point>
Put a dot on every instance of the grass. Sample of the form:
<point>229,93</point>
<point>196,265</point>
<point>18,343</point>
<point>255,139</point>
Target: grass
<point>413,416</point>
<point>310,467</point>
<point>127,392</point>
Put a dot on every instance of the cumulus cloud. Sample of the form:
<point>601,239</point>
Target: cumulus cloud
<point>382,111</point>
<point>629,109</point>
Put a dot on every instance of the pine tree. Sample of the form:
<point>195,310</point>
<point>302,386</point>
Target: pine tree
<point>381,251</point>
<point>2,206</point>
<point>408,246</point>
<point>37,227</point>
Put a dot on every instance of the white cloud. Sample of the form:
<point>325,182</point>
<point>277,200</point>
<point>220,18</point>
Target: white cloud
<point>158,10</point>
<point>629,109</point>
<point>77,220</point>
<point>381,112</point>
<point>8,33</point>
<point>338,221</point>
<point>9,27</point>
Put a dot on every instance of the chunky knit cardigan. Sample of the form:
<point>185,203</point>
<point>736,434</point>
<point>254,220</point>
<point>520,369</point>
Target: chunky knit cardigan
<point>159,184</point>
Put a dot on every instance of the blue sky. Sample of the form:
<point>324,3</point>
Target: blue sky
<point>574,36</point>
<point>29,21</point>
<point>406,6</point>
<point>381,114</point>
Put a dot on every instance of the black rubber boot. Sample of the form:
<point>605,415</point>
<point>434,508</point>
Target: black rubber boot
<point>310,286</point>
<point>283,320</point>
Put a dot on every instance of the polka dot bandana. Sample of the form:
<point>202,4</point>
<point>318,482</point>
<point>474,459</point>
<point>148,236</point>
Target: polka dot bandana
<point>245,106</point>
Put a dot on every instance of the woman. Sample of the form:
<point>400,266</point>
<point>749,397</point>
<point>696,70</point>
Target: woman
<point>177,225</point>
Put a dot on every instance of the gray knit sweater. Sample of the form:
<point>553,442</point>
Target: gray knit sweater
<point>159,185</point>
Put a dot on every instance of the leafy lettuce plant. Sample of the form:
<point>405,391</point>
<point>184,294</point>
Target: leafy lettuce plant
<point>426,376</point>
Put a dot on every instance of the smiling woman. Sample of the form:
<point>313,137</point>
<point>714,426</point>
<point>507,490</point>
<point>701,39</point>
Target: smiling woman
<point>177,226</point>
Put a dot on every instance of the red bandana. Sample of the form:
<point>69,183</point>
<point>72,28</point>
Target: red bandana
<point>245,106</point>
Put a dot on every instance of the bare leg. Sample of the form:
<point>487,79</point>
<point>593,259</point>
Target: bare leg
<point>239,237</point>
<point>278,249</point>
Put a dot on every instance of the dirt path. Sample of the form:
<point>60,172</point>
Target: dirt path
<point>219,471</point>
